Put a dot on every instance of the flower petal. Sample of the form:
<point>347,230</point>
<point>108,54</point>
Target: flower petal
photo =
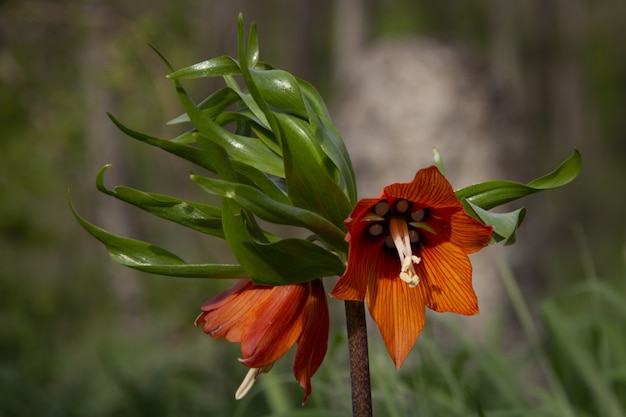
<point>429,188</point>
<point>313,341</point>
<point>226,313</point>
<point>363,261</point>
<point>274,327</point>
<point>468,233</point>
<point>399,313</point>
<point>446,279</point>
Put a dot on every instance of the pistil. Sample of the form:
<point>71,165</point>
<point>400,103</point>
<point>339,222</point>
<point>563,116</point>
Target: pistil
<point>249,379</point>
<point>399,231</point>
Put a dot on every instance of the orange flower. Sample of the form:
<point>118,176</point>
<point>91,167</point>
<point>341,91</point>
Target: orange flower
<point>267,321</point>
<point>408,250</point>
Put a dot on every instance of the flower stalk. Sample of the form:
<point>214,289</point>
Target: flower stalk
<point>359,359</point>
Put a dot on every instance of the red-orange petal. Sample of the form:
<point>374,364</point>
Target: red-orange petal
<point>274,328</point>
<point>399,313</point>
<point>313,341</point>
<point>446,280</point>
<point>468,233</point>
<point>429,188</point>
<point>226,313</point>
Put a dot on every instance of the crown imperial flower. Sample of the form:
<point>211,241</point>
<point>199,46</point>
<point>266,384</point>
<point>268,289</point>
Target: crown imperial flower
<point>408,250</point>
<point>267,321</point>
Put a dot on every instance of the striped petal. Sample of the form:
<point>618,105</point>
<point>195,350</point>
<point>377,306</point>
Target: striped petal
<point>399,313</point>
<point>313,342</point>
<point>446,280</point>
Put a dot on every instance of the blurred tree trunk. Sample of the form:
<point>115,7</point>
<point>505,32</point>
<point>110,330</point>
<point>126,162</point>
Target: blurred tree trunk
<point>102,144</point>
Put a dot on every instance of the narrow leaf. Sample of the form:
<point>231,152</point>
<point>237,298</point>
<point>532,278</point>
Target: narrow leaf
<point>201,217</point>
<point>190,153</point>
<point>218,66</point>
<point>488,195</point>
<point>150,258</point>
<point>505,225</point>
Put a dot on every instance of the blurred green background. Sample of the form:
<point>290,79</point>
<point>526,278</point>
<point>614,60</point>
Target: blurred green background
<point>82,336</point>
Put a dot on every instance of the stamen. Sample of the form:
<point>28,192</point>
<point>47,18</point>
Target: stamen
<point>249,380</point>
<point>389,242</point>
<point>414,237</point>
<point>418,215</point>
<point>381,208</point>
<point>402,206</point>
<point>375,229</point>
<point>401,237</point>
<point>247,383</point>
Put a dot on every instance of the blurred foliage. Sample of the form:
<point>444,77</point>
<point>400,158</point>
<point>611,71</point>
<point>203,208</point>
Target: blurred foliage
<point>82,336</point>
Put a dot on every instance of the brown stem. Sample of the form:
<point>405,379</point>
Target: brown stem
<point>359,361</point>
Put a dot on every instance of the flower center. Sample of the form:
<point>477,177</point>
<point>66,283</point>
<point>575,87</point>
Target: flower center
<point>402,225</point>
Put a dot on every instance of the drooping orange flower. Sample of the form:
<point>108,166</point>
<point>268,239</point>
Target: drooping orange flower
<point>267,321</point>
<point>408,250</point>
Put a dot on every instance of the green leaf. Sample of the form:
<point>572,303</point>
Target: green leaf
<point>306,169</point>
<point>212,105</point>
<point>271,186</point>
<point>281,90</point>
<point>190,153</point>
<point>250,151</point>
<point>249,101</point>
<point>495,193</point>
<point>283,262</point>
<point>150,258</point>
<point>505,225</point>
<point>329,139</point>
<point>270,210</point>
<point>439,161</point>
<point>201,217</point>
<point>218,66</point>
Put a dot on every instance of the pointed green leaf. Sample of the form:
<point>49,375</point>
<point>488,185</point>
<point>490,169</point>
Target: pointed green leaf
<point>250,151</point>
<point>218,66</point>
<point>308,183</point>
<point>330,140</point>
<point>190,153</point>
<point>439,161</point>
<point>150,258</point>
<point>248,100</point>
<point>269,185</point>
<point>494,193</point>
<point>253,46</point>
<point>280,90</point>
<point>212,105</point>
<point>505,225</point>
<point>201,217</point>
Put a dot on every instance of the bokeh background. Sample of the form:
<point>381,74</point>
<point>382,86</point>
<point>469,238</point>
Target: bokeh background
<point>83,336</point>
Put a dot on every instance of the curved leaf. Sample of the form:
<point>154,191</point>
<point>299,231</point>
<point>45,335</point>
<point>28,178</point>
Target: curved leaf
<point>201,217</point>
<point>505,225</point>
<point>218,66</point>
<point>212,105</point>
<point>190,153</point>
<point>494,193</point>
<point>250,151</point>
<point>308,183</point>
<point>150,258</point>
